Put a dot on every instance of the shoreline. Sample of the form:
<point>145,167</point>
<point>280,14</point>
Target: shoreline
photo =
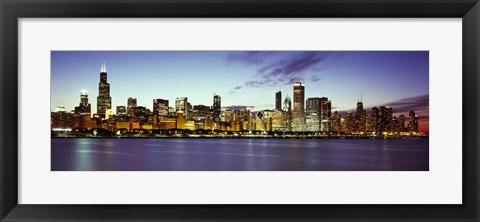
<point>241,137</point>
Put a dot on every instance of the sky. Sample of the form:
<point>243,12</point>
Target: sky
<point>247,78</point>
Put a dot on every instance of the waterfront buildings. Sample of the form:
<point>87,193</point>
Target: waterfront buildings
<point>181,104</point>
<point>313,115</point>
<point>298,123</point>
<point>84,108</point>
<point>131,104</point>
<point>160,110</point>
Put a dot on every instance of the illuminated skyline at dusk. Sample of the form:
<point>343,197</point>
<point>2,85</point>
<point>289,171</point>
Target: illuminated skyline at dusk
<point>247,78</point>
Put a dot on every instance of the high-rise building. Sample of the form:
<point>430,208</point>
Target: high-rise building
<point>121,114</point>
<point>104,101</point>
<point>277,121</point>
<point>393,125</point>
<point>84,108</point>
<point>287,114</point>
<point>313,106</point>
<point>412,122</point>
<point>385,118</point>
<point>259,121</point>
<point>62,119</point>
<point>313,113</point>
<point>131,104</point>
<point>140,113</point>
<point>278,100</point>
<point>181,104</point>
<point>360,118</point>
<point>326,115</point>
<point>336,122</point>
<point>298,123</point>
<point>401,123</point>
<point>217,106</point>
<point>312,122</point>
<point>267,119</point>
<point>160,110</point>
<point>374,118</point>
<point>348,122</point>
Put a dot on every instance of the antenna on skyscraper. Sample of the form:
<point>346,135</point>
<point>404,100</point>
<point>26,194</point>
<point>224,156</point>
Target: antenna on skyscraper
<point>361,97</point>
<point>104,69</point>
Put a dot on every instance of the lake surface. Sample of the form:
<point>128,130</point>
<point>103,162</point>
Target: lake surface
<point>186,154</point>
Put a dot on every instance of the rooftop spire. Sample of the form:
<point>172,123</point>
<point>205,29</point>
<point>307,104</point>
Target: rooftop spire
<point>104,68</point>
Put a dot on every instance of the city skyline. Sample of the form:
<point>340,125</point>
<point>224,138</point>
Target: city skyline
<point>273,71</point>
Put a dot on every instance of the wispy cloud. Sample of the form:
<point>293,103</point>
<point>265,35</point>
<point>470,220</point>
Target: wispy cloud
<point>418,104</point>
<point>281,68</point>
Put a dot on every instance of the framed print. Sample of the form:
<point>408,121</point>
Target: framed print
<point>315,110</point>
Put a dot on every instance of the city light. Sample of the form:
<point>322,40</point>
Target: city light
<point>301,117</point>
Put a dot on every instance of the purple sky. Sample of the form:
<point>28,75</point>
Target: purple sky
<point>246,78</point>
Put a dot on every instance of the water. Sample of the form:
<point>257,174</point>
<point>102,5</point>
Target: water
<point>184,154</point>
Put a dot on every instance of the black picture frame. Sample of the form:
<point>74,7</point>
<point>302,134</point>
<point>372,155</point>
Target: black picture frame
<point>11,11</point>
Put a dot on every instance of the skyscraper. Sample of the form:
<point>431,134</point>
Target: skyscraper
<point>313,114</point>
<point>160,110</point>
<point>375,119</point>
<point>401,123</point>
<point>360,117</point>
<point>131,104</point>
<point>412,122</point>
<point>84,108</point>
<point>278,100</point>
<point>140,114</point>
<point>298,123</point>
<point>217,105</point>
<point>104,101</point>
<point>385,118</point>
<point>181,104</point>
<point>287,112</point>
<point>313,105</point>
<point>326,114</point>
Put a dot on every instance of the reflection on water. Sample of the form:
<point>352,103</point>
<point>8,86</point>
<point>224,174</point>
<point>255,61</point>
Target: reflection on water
<point>166,154</point>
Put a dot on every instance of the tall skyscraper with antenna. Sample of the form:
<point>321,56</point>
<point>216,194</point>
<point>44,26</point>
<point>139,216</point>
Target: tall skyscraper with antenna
<point>104,101</point>
<point>360,117</point>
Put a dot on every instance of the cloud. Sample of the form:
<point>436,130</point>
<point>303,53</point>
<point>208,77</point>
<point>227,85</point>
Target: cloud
<point>248,57</point>
<point>315,78</point>
<point>281,68</point>
<point>237,107</point>
<point>418,104</point>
